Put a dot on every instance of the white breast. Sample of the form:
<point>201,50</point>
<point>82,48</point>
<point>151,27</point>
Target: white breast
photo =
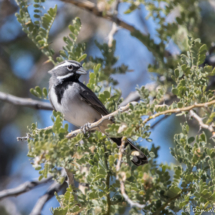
<point>75,110</point>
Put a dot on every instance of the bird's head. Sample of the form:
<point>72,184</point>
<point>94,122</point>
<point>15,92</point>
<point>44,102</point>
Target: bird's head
<point>67,69</point>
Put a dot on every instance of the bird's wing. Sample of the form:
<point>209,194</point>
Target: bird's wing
<point>91,99</point>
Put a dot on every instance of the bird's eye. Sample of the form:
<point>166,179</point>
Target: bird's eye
<point>70,67</point>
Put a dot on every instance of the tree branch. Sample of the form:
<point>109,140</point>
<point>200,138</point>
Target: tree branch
<point>125,108</point>
<point>99,122</point>
<point>91,7</point>
<point>27,102</point>
<point>25,187</point>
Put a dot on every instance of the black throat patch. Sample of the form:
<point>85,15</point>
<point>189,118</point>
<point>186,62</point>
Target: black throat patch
<point>61,87</point>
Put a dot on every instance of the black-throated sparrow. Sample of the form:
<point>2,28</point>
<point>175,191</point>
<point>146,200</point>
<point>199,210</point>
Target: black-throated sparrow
<point>78,103</point>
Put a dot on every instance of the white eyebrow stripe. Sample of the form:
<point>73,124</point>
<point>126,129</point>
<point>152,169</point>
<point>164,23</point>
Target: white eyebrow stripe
<point>64,64</point>
<point>67,63</point>
<point>65,76</point>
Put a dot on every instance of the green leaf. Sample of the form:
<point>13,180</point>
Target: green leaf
<point>33,92</point>
<point>180,105</point>
<point>176,73</point>
<point>211,118</point>
<point>45,93</point>
<point>202,54</point>
<point>173,191</point>
<point>131,8</point>
<point>60,211</point>
<point>191,139</point>
<point>82,57</point>
<point>175,91</point>
<point>46,170</point>
<point>40,177</point>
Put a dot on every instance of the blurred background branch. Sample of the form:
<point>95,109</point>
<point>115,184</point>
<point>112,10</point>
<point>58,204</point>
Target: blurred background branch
<point>25,187</point>
<point>27,102</point>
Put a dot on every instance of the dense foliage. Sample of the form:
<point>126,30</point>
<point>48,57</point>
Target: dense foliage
<point>162,188</point>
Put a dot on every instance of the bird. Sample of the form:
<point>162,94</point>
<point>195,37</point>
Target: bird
<point>79,104</point>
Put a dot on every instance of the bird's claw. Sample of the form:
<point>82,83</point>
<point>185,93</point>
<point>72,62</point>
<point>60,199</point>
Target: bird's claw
<point>85,128</point>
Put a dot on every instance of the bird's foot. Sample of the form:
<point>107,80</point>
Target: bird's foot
<point>85,128</point>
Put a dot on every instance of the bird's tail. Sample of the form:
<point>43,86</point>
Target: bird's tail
<point>139,158</point>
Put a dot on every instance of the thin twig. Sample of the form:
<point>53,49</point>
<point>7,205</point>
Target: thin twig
<point>177,110</point>
<point>121,179</point>
<point>23,188</point>
<point>135,96</point>
<point>114,28</point>
<point>27,102</point>
<point>121,150</point>
<point>132,204</point>
<point>29,136</point>
<point>113,31</point>
<point>201,123</point>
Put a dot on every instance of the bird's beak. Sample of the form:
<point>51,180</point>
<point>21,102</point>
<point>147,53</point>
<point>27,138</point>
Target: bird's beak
<point>50,71</point>
<point>81,71</point>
